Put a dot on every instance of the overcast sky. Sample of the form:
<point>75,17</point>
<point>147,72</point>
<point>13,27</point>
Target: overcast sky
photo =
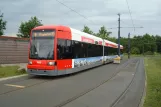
<point>146,13</point>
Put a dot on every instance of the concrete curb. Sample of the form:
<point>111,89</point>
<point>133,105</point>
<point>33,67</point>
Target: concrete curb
<point>8,78</point>
<point>145,88</point>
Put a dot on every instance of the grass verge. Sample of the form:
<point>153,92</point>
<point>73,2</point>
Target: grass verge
<point>153,91</point>
<point>10,71</point>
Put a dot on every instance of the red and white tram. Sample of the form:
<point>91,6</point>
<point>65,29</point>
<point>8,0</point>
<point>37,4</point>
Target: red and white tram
<point>60,50</point>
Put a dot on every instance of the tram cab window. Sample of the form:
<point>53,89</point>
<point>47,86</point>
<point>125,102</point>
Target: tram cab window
<point>64,49</point>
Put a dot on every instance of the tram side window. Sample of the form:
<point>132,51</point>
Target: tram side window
<point>100,50</point>
<point>91,50</point>
<point>109,51</point>
<point>67,49</point>
<point>64,49</point>
<point>80,49</point>
<point>116,51</point>
<point>95,50</point>
<point>112,51</point>
<point>77,48</point>
<point>68,53</point>
<point>105,51</point>
<point>85,50</point>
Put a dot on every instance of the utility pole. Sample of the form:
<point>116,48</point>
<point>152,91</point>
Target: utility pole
<point>129,46</point>
<point>119,35</point>
<point>143,49</point>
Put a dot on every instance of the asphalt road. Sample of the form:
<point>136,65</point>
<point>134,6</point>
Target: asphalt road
<point>103,86</point>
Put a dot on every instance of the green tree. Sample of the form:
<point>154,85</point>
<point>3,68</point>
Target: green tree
<point>138,41</point>
<point>113,39</point>
<point>153,44</point>
<point>145,43</point>
<point>86,29</point>
<point>103,33</point>
<point>2,24</point>
<point>135,50</point>
<point>158,43</point>
<point>26,27</point>
<point>149,43</point>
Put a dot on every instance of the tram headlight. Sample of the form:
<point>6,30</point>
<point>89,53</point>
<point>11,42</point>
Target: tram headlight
<point>51,63</point>
<point>30,62</point>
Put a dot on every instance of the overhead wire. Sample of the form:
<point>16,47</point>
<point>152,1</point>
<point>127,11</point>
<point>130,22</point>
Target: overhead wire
<point>130,14</point>
<point>75,11</point>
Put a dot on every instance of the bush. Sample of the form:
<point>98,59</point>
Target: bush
<point>149,53</point>
<point>21,71</point>
<point>156,53</point>
<point>135,50</point>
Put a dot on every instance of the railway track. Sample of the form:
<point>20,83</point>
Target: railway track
<point>125,91</point>
<point>43,80</point>
<point>101,83</point>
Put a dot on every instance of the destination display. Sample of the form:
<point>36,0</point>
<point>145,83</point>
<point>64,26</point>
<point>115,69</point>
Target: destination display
<point>47,33</point>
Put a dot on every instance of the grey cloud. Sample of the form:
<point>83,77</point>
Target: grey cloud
<point>99,12</point>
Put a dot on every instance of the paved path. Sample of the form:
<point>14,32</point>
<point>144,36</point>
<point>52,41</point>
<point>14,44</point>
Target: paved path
<point>110,85</point>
